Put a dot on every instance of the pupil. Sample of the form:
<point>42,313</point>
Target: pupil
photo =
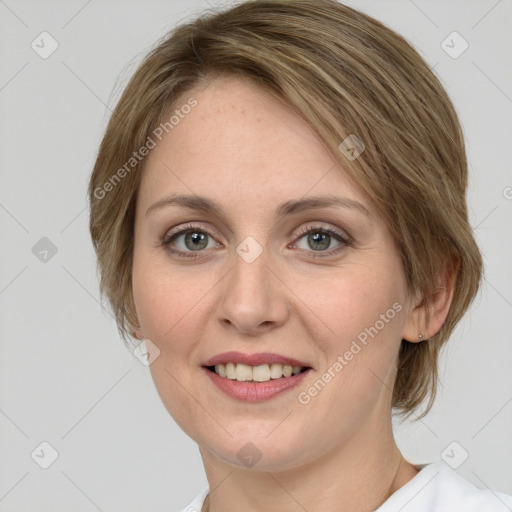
<point>197,239</point>
<point>319,238</point>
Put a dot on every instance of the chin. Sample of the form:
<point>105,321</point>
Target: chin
<point>262,452</point>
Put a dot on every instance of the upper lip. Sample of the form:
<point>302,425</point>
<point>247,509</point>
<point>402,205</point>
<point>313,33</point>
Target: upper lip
<point>254,359</point>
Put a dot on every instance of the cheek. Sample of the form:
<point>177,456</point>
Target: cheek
<point>357,324</point>
<point>356,303</point>
<point>167,302</point>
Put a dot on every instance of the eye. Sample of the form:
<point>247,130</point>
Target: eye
<point>189,239</point>
<point>320,240</point>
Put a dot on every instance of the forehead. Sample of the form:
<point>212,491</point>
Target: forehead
<point>240,142</point>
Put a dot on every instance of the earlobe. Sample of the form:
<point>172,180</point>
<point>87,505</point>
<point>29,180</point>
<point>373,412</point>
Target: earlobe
<point>137,334</point>
<point>134,323</point>
<point>429,314</point>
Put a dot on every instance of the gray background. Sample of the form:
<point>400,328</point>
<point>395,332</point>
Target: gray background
<point>66,377</point>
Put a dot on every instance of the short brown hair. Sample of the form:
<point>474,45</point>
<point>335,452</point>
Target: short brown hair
<point>344,73</point>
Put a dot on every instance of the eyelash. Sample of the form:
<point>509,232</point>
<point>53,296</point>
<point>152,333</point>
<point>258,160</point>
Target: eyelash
<point>191,228</point>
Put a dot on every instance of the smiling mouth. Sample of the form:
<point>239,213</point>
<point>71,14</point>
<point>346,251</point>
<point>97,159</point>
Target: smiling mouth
<point>261,373</point>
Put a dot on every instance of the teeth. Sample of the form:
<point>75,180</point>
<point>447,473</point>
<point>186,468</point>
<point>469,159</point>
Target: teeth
<point>276,371</point>
<point>262,373</point>
<point>287,370</point>
<point>243,372</point>
<point>230,371</point>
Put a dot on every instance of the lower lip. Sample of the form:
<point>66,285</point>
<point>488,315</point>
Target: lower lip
<point>255,391</point>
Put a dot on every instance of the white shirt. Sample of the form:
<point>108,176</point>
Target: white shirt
<point>436,488</point>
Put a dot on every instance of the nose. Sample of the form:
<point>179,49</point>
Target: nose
<point>253,297</point>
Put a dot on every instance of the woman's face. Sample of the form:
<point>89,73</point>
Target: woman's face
<point>274,273</point>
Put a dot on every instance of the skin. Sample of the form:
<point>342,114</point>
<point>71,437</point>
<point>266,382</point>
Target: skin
<point>242,148</point>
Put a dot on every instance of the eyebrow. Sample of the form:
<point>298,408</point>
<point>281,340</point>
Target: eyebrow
<point>206,205</point>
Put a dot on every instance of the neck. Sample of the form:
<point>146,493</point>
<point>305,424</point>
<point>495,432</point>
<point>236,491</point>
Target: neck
<point>358,475</point>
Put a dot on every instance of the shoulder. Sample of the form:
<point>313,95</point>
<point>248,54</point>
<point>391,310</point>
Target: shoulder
<point>438,488</point>
<point>197,503</point>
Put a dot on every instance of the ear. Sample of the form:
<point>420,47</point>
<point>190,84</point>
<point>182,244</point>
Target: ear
<point>137,333</point>
<point>133,320</point>
<point>135,328</point>
<point>428,314</point>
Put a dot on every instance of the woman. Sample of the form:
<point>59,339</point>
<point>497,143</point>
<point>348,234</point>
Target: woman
<point>278,209</point>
